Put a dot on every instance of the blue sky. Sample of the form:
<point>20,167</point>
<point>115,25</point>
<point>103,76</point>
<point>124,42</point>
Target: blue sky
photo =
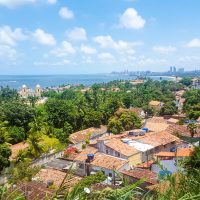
<point>87,36</point>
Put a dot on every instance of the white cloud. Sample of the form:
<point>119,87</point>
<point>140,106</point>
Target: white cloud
<point>65,13</point>
<point>121,46</point>
<point>164,49</point>
<point>87,60</point>
<point>106,57</point>
<point>149,62</point>
<point>65,49</point>
<point>131,20</point>
<point>44,38</point>
<point>10,37</point>
<point>77,34</point>
<point>7,53</point>
<point>59,63</point>
<point>52,1</point>
<point>195,43</point>
<point>87,49</point>
<point>15,3</point>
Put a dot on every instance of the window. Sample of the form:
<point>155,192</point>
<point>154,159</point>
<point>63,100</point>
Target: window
<point>110,174</point>
<point>81,166</point>
<point>118,154</point>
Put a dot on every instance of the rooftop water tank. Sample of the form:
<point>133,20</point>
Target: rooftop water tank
<point>145,129</point>
<point>90,156</point>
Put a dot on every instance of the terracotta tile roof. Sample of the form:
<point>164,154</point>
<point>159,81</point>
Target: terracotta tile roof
<point>16,148</point>
<point>83,135</point>
<point>35,190</point>
<point>119,146</point>
<point>154,103</point>
<point>147,175</point>
<point>146,164</point>
<point>181,129</point>
<point>156,127</point>
<point>172,120</point>
<point>54,175</point>
<point>157,120</point>
<point>165,154</point>
<point>182,152</point>
<point>82,156</point>
<point>108,162</point>
<point>57,176</point>
<point>158,138</point>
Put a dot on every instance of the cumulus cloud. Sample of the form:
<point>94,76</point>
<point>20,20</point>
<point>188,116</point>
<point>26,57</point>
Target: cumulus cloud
<point>7,53</point>
<point>65,49</point>
<point>194,43</point>
<point>52,1</point>
<point>120,46</point>
<point>44,38</point>
<point>77,34</point>
<point>65,13</point>
<point>87,60</point>
<point>106,57</point>
<point>15,3</point>
<point>131,20</point>
<point>58,63</point>
<point>10,37</point>
<point>148,62</point>
<point>164,49</point>
<point>87,49</point>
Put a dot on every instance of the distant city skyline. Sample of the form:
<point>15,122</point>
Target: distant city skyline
<point>87,37</point>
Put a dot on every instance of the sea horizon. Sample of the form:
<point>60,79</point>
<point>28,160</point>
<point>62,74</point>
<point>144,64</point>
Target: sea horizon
<point>16,81</point>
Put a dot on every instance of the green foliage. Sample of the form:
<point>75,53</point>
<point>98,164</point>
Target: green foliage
<point>16,134</point>
<point>7,94</point>
<point>169,108</point>
<point>22,171</point>
<point>18,114</point>
<point>192,128</point>
<point>187,81</point>
<point>125,193</point>
<point>5,153</point>
<point>123,122</point>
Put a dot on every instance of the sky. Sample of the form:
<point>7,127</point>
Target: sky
<point>98,36</point>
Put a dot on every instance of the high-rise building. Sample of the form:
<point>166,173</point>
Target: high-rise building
<point>174,69</point>
<point>171,69</point>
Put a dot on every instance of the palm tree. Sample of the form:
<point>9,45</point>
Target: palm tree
<point>35,139</point>
<point>192,127</point>
<point>35,146</point>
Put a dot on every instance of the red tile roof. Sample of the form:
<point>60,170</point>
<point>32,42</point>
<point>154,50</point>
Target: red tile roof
<point>108,162</point>
<point>89,133</point>
<point>82,156</point>
<point>119,146</point>
<point>146,165</point>
<point>182,152</point>
<point>34,190</point>
<point>147,175</point>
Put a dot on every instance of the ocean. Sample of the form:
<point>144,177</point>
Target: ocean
<point>16,81</point>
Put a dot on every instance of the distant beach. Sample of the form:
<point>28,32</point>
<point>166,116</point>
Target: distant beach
<point>16,81</point>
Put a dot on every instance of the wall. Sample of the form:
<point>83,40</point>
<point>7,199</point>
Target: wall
<point>135,159</point>
<point>169,165</point>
